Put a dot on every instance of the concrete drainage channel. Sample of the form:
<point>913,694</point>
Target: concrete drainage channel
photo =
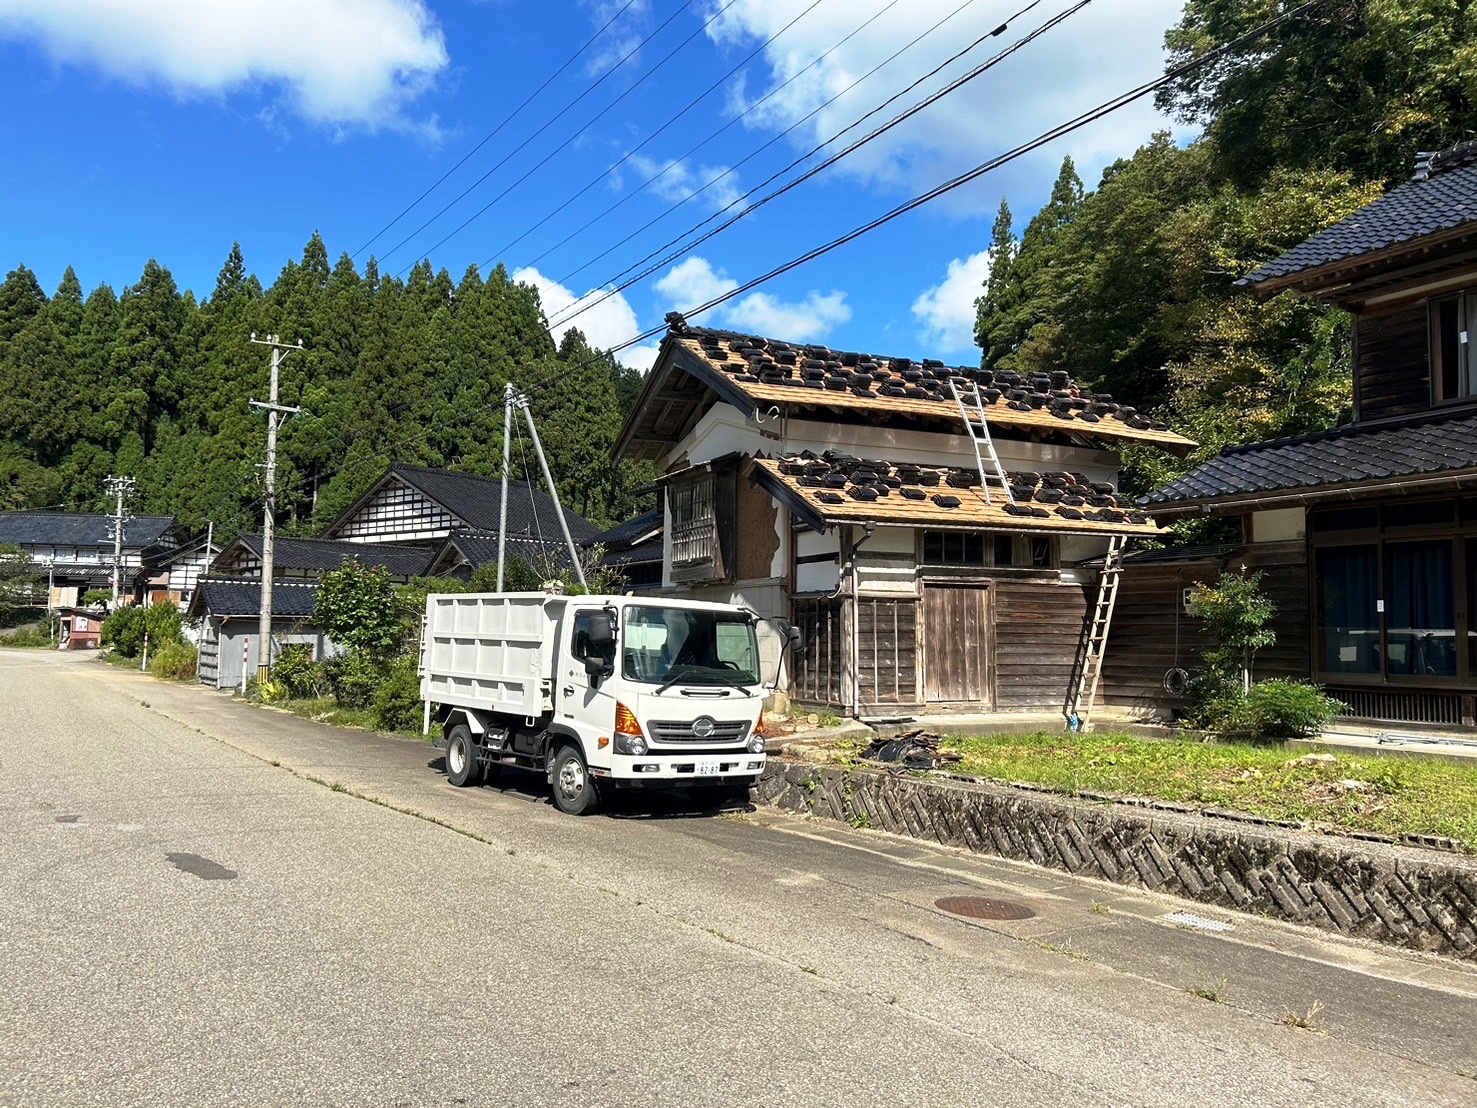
<point>1405,896</point>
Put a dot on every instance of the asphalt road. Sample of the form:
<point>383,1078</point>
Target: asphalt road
<point>207,903</point>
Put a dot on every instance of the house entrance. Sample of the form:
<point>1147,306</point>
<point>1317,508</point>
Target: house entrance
<point>955,633</point>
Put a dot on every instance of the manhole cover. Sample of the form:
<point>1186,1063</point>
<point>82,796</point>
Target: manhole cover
<point>983,907</point>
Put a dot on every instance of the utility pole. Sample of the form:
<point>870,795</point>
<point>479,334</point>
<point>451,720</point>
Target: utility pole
<point>538,449</point>
<point>273,409</point>
<point>502,512</point>
<point>120,488</point>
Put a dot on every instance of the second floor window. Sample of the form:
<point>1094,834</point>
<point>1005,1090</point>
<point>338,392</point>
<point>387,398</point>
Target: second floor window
<point>1453,362</point>
<point>692,520</point>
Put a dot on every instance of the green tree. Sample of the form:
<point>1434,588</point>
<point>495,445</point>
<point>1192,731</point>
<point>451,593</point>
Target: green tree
<point>18,580</point>
<point>356,607</point>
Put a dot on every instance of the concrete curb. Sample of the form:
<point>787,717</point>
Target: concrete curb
<point>1401,895</point>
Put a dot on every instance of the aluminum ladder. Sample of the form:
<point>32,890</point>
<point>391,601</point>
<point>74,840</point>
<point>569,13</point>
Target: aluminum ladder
<point>979,432</point>
<point>1083,686</point>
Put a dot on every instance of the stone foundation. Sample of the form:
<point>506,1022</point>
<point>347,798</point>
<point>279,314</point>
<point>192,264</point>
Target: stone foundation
<point>1404,896</point>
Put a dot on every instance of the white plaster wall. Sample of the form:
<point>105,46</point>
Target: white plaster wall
<point>1279,525</point>
<point>818,576</point>
<point>887,563</point>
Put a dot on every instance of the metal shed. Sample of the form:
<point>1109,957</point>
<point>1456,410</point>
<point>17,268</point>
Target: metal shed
<point>229,612</point>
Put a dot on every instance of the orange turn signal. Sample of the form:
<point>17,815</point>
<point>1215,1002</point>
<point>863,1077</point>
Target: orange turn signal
<point>625,720</point>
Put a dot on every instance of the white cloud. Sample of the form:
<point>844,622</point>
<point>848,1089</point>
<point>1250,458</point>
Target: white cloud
<point>947,309</point>
<point>695,281</point>
<point>1092,56</point>
<point>605,324</point>
<point>713,185</point>
<point>336,62</point>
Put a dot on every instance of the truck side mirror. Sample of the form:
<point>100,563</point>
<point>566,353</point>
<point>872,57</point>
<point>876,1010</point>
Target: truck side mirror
<point>602,632</point>
<point>796,639</point>
<point>597,667</point>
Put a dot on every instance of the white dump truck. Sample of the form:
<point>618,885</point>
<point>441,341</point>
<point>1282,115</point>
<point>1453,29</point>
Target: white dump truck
<point>598,692</point>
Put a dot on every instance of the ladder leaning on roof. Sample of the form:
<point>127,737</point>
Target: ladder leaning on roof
<point>979,432</point>
<point>1083,684</point>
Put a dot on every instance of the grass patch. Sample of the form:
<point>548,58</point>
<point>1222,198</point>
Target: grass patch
<point>1388,796</point>
<point>324,709</point>
<point>1305,1021</point>
<point>1214,992</point>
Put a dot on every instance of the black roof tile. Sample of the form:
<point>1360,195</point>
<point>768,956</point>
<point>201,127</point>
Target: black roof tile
<point>401,559</point>
<point>1441,196</point>
<point>216,596</point>
<point>1430,444</point>
<point>622,535</point>
<point>476,501</point>
<point>79,529</point>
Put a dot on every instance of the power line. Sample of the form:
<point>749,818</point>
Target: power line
<point>632,88</point>
<point>820,167</point>
<point>629,154</point>
<point>950,185</point>
<point>755,106</point>
<point>494,132</point>
<point>753,154</point>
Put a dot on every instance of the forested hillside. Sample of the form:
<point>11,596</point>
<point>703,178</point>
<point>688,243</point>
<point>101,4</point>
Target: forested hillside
<point>1131,286</point>
<point>153,384</point>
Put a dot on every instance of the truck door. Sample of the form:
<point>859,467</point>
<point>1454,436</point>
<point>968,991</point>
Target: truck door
<point>584,703</point>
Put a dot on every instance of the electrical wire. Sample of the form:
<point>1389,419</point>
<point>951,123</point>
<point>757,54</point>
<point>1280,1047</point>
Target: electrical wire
<point>751,155</point>
<point>629,154</point>
<point>950,185</point>
<point>610,289</point>
<point>494,132</point>
<point>559,147</point>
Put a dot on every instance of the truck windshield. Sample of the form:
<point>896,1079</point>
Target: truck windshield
<point>701,648</point>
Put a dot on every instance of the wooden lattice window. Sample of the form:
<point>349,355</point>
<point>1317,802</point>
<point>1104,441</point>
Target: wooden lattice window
<point>692,522</point>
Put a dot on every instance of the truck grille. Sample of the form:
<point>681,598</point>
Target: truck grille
<point>681,732</point>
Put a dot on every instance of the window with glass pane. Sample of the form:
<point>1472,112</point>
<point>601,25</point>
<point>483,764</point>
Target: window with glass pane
<point>1420,609</point>
<point>1453,365</point>
<point>1348,632</point>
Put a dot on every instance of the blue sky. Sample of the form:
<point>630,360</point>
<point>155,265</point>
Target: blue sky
<point>171,128</point>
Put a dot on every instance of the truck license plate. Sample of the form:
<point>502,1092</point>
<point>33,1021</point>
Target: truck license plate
<point>711,767</point>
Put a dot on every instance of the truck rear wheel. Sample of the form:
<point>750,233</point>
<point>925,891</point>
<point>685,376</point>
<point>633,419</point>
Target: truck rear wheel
<point>461,757</point>
<point>575,792</point>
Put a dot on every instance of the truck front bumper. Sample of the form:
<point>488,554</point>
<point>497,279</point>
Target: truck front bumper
<point>738,767</point>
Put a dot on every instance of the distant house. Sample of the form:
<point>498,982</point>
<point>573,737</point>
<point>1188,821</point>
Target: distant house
<point>310,559</point>
<point>841,491</point>
<point>464,552</point>
<point>411,504</point>
<point>74,550</point>
<point>229,611</point>
<point>1368,533</point>
<point>634,550</point>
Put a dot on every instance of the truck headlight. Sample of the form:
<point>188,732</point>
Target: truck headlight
<point>629,744</point>
<point>756,744</point>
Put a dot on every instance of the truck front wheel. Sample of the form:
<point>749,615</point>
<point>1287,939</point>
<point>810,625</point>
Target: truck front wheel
<point>461,757</point>
<point>575,792</point>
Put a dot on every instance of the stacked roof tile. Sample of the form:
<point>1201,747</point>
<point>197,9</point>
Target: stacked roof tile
<point>838,487</point>
<point>774,371</point>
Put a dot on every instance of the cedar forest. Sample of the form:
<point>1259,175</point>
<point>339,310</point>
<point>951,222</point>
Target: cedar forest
<point>1129,286</point>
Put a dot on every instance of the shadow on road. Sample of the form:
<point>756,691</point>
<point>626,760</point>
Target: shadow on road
<point>624,804</point>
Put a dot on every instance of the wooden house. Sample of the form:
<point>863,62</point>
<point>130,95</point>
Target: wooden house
<point>73,551</point>
<point>1369,532</point>
<point>310,559</point>
<point>842,491</point>
<point>229,614</point>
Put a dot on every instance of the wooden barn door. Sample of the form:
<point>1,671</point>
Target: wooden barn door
<point>956,644</point>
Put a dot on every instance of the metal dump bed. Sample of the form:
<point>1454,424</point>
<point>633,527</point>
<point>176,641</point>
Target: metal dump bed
<point>493,651</point>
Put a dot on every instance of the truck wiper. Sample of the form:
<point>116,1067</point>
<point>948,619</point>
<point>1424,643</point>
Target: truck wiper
<point>712,677</point>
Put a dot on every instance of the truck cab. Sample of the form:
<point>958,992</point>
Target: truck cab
<point>599,692</point>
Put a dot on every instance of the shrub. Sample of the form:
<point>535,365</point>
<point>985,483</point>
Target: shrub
<point>124,629</point>
<point>272,692</point>
<point>28,637</point>
<point>95,596</point>
<point>295,671</point>
<point>356,607</point>
<point>176,662</point>
<point>1284,709</point>
<point>353,678</point>
<point>397,702</point>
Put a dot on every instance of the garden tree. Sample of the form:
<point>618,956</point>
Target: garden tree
<point>1353,85</point>
<point>1237,614</point>
<point>356,607</point>
<point>18,578</point>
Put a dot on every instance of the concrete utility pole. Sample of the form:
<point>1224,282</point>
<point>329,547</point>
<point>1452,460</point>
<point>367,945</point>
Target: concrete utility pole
<point>538,449</point>
<point>120,488</point>
<point>502,510</point>
<point>273,409</point>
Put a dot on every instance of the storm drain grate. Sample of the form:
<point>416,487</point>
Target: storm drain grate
<point>983,907</point>
<point>1198,923</point>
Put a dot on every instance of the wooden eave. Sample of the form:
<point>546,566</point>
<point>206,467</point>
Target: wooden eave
<point>1458,479</point>
<point>1348,281</point>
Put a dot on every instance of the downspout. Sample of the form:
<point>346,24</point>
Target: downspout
<point>868,530</point>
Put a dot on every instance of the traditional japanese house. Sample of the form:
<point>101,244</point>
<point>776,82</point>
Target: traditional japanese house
<point>310,559</point>
<point>843,491</point>
<point>1370,530</point>
<point>73,551</point>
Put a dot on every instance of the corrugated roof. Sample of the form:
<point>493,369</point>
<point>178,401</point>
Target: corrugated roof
<point>476,502</point>
<point>1428,445</point>
<point>840,489</point>
<point>324,555</point>
<point>1441,197</point>
<point>79,529</point>
<point>217,596</point>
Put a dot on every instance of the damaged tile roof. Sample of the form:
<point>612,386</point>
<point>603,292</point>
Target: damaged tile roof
<point>1442,196</point>
<point>1424,446</point>
<point>838,488</point>
<point>771,372</point>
